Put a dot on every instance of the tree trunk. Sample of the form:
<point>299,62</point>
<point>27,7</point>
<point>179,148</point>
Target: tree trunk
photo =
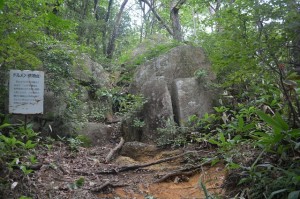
<point>85,5</point>
<point>114,35</point>
<point>104,28</point>
<point>174,15</point>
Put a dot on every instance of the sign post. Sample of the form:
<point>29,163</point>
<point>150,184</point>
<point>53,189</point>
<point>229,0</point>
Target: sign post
<point>26,92</point>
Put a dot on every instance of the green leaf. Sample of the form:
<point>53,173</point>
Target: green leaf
<point>80,182</point>
<point>25,170</point>
<point>261,134</point>
<point>276,192</point>
<point>204,189</point>
<point>25,197</point>
<point>212,141</point>
<point>294,195</point>
<point>248,127</point>
<point>29,145</point>
<point>282,123</point>
<point>269,120</point>
<point>243,180</point>
<point>222,138</point>
<point>215,161</point>
<point>295,133</point>
<point>241,123</point>
<point>4,125</point>
<point>232,165</point>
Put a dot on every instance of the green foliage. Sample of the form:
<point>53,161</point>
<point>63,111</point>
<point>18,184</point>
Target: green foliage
<point>206,193</point>
<point>75,142</point>
<point>251,51</point>
<point>274,182</point>
<point>200,74</point>
<point>16,150</point>
<point>77,184</point>
<point>152,51</point>
<point>25,197</point>
<point>98,114</point>
<point>172,134</point>
<point>131,59</point>
<point>138,123</point>
<point>280,138</point>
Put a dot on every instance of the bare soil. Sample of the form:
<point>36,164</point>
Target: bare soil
<point>60,171</point>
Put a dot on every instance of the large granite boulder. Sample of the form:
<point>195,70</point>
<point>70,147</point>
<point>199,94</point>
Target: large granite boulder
<point>99,134</point>
<point>168,83</point>
<point>157,109</point>
<point>179,62</point>
<point>190,98</point>
<point>90,72</point>
<point>73,103</point>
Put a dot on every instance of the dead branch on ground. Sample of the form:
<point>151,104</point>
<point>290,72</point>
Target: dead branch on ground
<point>114,150</point>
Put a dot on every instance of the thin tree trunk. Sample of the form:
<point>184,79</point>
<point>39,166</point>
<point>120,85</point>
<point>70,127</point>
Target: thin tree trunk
<point>104,30</point>
<point>85,5</point>
<point>143,22</point>
<point>114,35</point>
<point>174,15</point>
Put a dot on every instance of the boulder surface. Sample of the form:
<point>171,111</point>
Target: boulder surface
<point>171,90</point>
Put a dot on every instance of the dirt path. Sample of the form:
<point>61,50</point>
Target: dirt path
<point>66,174</point>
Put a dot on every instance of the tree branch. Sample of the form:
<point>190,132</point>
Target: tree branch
<point>178,4</point>
<point>158,17</point>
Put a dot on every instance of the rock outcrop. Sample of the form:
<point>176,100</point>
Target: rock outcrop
<point>190,98</point>
<point>171,90</point>
<point>99,134</point>
<point>138,150</point>
<point>69,101</point>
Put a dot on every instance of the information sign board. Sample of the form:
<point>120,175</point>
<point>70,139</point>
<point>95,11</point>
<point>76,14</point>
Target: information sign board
<point>26,92</point>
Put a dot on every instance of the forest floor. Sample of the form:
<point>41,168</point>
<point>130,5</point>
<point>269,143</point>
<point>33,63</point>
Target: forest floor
<point>171,174</point>
<point>59,180</point>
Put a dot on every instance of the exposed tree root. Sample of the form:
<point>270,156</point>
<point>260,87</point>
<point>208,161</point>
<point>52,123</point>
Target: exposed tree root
<point>138,166</point>
<point>176,173</point>
<point>114,150</point>
<point>185,172</point>
<point>106,185</point>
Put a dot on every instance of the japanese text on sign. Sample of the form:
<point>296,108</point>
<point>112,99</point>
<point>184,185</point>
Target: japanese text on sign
<point>26,92</point>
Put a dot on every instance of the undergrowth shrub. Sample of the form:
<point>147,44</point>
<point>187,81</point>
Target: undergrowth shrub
<point>172,134</point>
<point>17,145</point>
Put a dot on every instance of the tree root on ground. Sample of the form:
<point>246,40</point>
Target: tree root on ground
<point>182,172</point>
<point>138,166</point>
<point>106,185</point>
<point>114,150</point>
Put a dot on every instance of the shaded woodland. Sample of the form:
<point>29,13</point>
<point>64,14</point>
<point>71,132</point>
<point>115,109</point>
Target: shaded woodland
<point>254,51</point>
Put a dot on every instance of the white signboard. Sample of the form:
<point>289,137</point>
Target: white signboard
<point>26,92</point>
